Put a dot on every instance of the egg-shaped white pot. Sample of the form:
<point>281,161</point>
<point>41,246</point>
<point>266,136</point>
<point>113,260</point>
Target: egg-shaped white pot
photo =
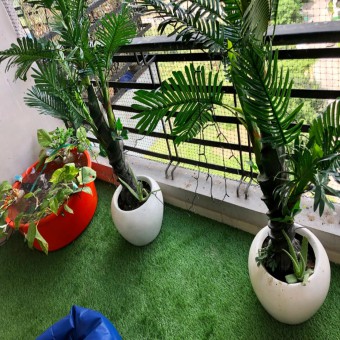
<point>142,225</point>
<point>290,303</point>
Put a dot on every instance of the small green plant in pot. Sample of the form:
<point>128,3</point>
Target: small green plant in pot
<point>289,162</point>
<point>46,187</point>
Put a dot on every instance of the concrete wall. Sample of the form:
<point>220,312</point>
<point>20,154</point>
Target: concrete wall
<point>18,123</point>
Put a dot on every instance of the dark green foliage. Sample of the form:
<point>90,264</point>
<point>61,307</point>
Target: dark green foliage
<point>25,53</point>
<point>188,97</point>
<point>265,102</point>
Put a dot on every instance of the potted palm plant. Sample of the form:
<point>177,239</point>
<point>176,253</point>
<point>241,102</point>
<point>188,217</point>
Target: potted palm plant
<point>289,163</point>
<point>54,200</point>
<point>72,72</point>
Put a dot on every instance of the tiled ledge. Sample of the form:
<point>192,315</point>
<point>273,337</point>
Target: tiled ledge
<point>187,192</point>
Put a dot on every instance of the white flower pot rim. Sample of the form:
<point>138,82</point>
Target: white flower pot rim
<point>145,179</point>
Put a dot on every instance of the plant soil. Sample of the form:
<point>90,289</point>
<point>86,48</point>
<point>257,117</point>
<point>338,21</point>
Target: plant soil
<point>129,207</point>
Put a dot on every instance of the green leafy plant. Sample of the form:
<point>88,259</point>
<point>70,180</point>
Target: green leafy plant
<point>64,182</point>
<point>289,163</point>
<point>266,258</point>
<point>72,73</point>
<point>60,142</point>
<point>29,206</point>
<point>299,261</point>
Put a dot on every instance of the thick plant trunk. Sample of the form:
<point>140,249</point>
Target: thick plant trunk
<point>271,176</point>
<point>113,150</point>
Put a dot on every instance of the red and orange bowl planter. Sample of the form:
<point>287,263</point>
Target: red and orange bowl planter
<point>62,229</point>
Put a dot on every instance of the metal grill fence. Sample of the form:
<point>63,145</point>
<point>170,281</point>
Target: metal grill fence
<point>226,149</point>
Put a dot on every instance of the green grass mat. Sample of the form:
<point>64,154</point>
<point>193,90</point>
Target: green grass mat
<point>191,283</point>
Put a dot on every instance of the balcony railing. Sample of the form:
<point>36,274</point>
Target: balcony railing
<point>226,150</point>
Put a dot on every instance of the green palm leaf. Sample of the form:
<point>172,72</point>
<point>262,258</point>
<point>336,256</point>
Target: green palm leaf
<point>257,17</point>
<point>311,165</point>
<point>116,30</point>
<point>52,86</point>
<point>203,21</point>
<point>264,92</point>
<point>26,52</point>
<point>189,98</point>
<point>47,104</point>
<point>325,129</point>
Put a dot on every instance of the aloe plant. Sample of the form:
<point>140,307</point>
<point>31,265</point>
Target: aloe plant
<point>299,261</point>
<point>71,72</point>
<point>289,163</point>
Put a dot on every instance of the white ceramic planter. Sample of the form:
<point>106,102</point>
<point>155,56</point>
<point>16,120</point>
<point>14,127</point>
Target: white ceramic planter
<point>290,303</point>
<point>142,225</point>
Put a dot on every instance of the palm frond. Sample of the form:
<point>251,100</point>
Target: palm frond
<point>77,9</point>
<point>115,30</point>
<point>194,22</point>
<point>46,104</point>
<point>321,189</point>
<point>49,79</point>
<point>300,174</point>
<point>264,92</point>
<point>256,18</point>
<point>54,106</point>
<point>26,52</point>
<point>325,129</point>
<point>233,12</point>
<point>189,97</point>
<point>207,8</point>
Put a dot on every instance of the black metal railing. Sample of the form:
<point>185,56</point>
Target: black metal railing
<point>148,53</point>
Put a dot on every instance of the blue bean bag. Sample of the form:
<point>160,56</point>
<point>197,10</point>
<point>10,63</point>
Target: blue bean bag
<point>81,323</point>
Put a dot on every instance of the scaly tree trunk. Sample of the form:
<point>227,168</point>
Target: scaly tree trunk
<point>272,175</point>
<point>112,148</point>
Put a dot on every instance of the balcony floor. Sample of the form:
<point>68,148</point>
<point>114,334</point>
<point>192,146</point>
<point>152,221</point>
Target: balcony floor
<point>191,283</point>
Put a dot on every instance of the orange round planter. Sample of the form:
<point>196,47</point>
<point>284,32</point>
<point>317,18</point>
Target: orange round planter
<point>60,230</point>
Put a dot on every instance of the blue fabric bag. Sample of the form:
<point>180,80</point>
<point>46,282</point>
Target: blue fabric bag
<point>81,323</point>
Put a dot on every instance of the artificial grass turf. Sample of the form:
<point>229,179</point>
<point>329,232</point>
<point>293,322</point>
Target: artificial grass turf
<point>190,283</point>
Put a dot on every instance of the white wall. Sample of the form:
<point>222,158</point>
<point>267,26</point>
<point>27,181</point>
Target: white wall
<point>18,123</point>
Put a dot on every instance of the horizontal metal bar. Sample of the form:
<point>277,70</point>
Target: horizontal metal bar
<point>306,33</point>
<point>205,142</point>
<point>315,94</point>
<point>192,162</point>
<point>146,152</point>
<point>124,108</point>
<point>133,85</point>
<point>293,34</point>
<point>307,53</point>
<point>217,119</point>
<point>295,93</point>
